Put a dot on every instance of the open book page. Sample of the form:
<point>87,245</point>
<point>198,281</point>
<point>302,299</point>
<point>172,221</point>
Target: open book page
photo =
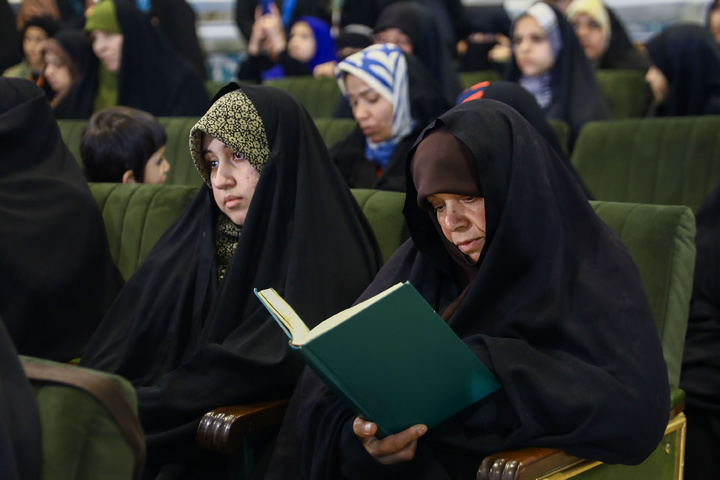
<point>340,317</point>
<point>294,326</point>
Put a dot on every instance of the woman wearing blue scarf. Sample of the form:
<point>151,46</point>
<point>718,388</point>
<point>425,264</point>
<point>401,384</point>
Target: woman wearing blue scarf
<point>392,96</point>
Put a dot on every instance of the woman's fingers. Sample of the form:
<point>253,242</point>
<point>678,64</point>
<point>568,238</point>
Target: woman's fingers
<point>396,448</point>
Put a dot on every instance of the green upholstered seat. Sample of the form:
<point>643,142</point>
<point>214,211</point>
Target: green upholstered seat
<point>626,92</point>
<point>177,151</point>
<point>71,133</point>
<point>671,161</point>
<point>562,130</point>
<point>468,79</point>
<point>333,129</point>
<point>318,95</point>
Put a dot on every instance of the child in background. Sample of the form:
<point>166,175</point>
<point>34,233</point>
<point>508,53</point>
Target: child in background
<point>124,145</point>
<point>34,34</point>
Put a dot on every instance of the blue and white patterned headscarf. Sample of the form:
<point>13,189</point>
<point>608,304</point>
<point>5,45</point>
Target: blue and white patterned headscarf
<point>384,68</point>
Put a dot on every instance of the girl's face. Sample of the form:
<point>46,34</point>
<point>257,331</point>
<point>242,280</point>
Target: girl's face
<point>372,111</point>
<point>57,73</point>
<point>233,178</point>
<point>33,43</point>
<point>590,35</point>
<point>108,48</point>
<point>533,53</point>
<point>301,45</point>
<point>658,83</point>
<point>715,24</point>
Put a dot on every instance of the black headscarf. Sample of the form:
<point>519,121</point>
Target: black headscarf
<point>20,435</point>
<point>576,95</point>
<point>621,54</point>
<point>417,22</point>
<point>426,103</point>
<point>11,52</point>
<point>690,59</point>
<point>556,310</point>
<point>74,44</point>
<point>152,77</point>
<point>190,343</point>
<point>57,276</point>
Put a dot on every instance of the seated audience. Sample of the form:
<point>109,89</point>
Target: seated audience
<point>34,34</point>
<point>412,27</point>
<point>68,13</point>
<point>701,362</point>
<point>488,45</point>
<point>351,39</point>
<point>138,69</point>
<point>124,145</point>
<point>550,64</point>
<point>187,329</point>
<point>593,27</point>
<point>270,56</point>
<point>685,76</point>
<point>289,11</point>
<point>391,96</point>
<point>58,278</point>
<point>67,57</point>
<point>500,239</point>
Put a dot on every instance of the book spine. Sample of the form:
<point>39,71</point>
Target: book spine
<point>340,388</point>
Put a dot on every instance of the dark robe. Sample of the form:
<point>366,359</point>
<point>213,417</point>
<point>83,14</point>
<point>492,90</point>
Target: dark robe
<point>152,77</point>
<point>427,102</point>
<point>253,66</point>
<point>20,432</point>
<point>57,278</point>
<point>701,357</point>
<point>555,308</point>
<point>690,59</point>
<point>621,54</point>
<point>417,22</point>
<point>490,20</point>
<point>576,95</point>
<point>11,52</point>
<point>190,343</point>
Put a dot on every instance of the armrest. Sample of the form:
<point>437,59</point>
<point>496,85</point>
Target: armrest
<point>530,462</point>
<point>222,430</point>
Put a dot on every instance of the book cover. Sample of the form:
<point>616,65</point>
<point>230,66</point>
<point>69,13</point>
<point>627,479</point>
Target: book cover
<point>392,358</point>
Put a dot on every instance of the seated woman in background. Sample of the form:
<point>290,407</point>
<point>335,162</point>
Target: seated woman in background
<point>187,330</point>
<point>136,68</point>
<point>593,28</point>
<point>58,277</point>
<point>412,27</point>
<point>34,34</point>
<point>500,236</point>
<point>271,56</point>
<point>67,57</point>
<point>685,76</point>
<point>391,96</point>
<point>549,62</point>
<point>713,20</point>
<point>125,145</point>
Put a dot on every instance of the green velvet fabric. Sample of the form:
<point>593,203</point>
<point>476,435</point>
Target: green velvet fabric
<point>177,151</point>
<point>468,79</point>
<point>333,129</point>
<point>626,92</point>
<point>80,440</point>
<point>71,133</point>
<point>670,161</point>
<point>318,95</point>
<point>562,130</point>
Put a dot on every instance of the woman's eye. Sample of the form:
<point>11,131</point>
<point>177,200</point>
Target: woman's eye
<point>469,199</point>
<point>238,156</point>
<point>516,40</point>
<point>438,208</point>
<point>213,164</point>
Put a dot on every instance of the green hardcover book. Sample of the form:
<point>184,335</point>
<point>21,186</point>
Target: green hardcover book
<point>391,358</point>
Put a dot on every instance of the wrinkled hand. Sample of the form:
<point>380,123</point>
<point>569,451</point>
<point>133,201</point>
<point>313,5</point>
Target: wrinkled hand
<point>391,449</point>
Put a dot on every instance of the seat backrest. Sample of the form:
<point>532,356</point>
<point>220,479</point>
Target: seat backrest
<point>670,161</point>
<point>136,216</point>
<point>71,133</point>
<point>333,129</point>
<point>177,151</point>
<point>660,238</point>
<point>318,95</point>
<point>626,92</point>
<point>562,130</point>
<point>89,420</point>
<point>468,79</point>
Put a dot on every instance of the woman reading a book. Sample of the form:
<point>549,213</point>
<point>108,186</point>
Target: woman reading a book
<point>187,329</point>
<point>505,246</point>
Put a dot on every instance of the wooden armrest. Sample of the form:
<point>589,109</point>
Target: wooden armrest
<point>222,430</point>
<point>531,462</point>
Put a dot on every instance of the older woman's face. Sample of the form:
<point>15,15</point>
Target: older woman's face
<point>108,48</point>
<point>373,112</point>
<point>590,35</point>
<point>233,178</point>
<point>462,220</point>
<point>57,73</point>
<point>533,52</point>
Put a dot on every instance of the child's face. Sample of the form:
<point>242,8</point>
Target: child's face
<point>33,43</point>
<point>156,168</point>
<point>301,45</point>
<point>57,73</point>
<point>533,53</point>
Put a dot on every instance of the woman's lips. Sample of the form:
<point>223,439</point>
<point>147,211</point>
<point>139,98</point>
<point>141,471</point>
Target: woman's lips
<point>469,245</point>
<point>232,201</point>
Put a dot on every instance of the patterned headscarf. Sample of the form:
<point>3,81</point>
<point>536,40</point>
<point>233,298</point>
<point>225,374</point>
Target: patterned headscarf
<point>235,121</point>
<point>384,68</point>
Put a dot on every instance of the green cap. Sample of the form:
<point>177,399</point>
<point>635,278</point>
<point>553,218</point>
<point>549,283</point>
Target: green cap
<point>103,17</point>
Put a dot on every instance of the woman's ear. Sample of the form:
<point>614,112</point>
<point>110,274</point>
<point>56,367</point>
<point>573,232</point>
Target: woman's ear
<point>128,177</point>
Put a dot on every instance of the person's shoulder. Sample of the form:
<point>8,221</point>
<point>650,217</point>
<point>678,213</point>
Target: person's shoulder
<point>21,70</point>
